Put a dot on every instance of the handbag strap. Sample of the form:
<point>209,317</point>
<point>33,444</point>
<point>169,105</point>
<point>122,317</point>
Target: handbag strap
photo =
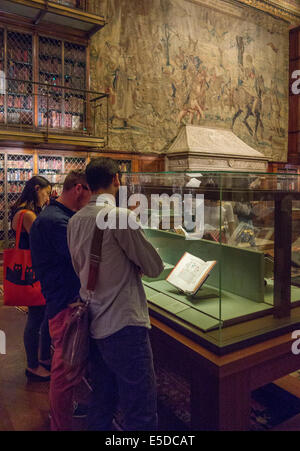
<point>95,257</point>
<point>19,228</point>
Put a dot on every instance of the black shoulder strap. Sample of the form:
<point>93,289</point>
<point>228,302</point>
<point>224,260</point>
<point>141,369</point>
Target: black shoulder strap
<point>95,258</point>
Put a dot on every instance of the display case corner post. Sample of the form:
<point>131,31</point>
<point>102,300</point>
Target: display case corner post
<point>282,251</point>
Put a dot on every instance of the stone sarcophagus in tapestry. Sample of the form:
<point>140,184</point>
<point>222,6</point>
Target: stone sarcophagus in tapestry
<point>212,149</point>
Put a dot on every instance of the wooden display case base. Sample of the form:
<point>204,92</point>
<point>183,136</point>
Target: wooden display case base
<point>221,385</point>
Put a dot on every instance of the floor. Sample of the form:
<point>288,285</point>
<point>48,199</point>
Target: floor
<point>24,405</point>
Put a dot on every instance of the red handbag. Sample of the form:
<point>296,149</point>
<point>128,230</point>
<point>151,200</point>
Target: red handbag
<point>21,288</point>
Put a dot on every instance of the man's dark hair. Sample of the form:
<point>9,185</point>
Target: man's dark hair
<point>73,178</point>
<point>100,172</point>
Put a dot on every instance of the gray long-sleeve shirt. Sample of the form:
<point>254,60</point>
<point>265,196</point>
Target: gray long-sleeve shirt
<point>119,299</point>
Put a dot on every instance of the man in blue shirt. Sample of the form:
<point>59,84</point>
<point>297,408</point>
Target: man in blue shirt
<point>60,285</point>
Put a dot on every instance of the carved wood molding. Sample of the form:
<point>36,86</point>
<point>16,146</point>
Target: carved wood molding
<point>279,8</point>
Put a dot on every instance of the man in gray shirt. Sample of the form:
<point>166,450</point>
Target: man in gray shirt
<point>122,362</point>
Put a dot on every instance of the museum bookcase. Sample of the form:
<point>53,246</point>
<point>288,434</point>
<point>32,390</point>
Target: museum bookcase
<point>18,165</point>
<point>62,63</point>
<point>46,90</point>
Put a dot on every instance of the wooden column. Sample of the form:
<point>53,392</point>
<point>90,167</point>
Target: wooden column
<point>294,100</point>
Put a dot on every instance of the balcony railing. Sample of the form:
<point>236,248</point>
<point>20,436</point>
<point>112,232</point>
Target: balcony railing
<point>52,109</point>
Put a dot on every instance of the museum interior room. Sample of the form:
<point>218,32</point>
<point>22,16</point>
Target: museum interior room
<point>198,100</point>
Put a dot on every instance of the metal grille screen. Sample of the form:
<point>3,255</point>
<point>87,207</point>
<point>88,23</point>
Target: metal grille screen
<point>50,73</point>
<point>19,74</point>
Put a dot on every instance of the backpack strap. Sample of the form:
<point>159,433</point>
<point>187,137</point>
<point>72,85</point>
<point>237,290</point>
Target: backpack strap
<point>95,257</point>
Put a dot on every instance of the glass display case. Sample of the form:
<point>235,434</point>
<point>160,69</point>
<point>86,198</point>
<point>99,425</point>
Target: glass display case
<point>249,225</point>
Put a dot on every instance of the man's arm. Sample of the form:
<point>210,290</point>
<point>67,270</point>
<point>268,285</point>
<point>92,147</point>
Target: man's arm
<point>139,250</point>
<point>59,238</point>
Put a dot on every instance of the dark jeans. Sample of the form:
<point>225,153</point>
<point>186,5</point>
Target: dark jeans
<point>122,370</point>
<point>36,336</point>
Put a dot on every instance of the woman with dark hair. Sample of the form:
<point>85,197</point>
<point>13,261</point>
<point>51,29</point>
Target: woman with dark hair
<point>35,195</point>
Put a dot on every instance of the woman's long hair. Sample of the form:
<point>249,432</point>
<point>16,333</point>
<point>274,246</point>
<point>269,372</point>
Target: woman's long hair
<point>29,196</point>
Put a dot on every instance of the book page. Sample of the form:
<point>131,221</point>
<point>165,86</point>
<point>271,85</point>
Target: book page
<point>189,273</point>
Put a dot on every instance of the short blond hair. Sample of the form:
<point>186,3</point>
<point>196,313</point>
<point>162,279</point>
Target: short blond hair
<point>73,178</point>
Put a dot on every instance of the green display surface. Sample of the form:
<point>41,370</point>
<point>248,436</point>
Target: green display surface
<point>206,314</point>
<point>235,291</point>
<point>239,271</point>
<point>269,290</point>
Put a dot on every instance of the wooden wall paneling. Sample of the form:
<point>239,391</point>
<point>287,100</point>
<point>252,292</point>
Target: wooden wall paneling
<point>151,164</point>
<point>294,43</point>
<point>139,163</point>
<point>293,146</point>
<point>135,165</point>
<point>62,153</point>
<point>294,65</point>
<point>294,115</point>
<point>294,101</point>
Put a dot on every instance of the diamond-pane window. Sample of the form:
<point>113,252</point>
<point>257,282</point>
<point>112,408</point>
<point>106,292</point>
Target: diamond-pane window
<point>19,75</point>
<point>74,163</point>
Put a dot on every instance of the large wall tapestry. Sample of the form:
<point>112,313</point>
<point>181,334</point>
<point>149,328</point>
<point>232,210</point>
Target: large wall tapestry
<point>171,62</point>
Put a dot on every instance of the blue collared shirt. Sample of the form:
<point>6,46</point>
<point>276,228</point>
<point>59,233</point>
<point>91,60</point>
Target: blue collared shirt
<point>51,257</point>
